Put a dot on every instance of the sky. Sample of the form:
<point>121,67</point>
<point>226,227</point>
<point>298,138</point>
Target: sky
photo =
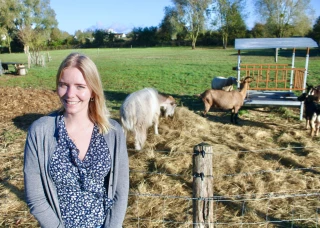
<point>120,15</point>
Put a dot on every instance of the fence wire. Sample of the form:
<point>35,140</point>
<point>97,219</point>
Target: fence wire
<point>242,202</point>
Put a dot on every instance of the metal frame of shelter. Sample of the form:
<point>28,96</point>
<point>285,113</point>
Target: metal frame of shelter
<point>274,83</point>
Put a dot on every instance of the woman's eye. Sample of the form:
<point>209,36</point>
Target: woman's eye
<point>80,87</point>
<point>62,85</point>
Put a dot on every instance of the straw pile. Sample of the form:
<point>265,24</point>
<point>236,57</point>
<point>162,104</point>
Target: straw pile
<point>170,153</point>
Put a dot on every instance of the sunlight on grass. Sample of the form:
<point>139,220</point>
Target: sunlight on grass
<point>178,70</point>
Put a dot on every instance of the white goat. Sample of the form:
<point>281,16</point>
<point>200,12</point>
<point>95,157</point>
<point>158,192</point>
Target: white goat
<point>223,83</point>
<point>141,109</point>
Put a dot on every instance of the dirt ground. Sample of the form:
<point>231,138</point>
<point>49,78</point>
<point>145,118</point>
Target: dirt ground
<point>265,140</point>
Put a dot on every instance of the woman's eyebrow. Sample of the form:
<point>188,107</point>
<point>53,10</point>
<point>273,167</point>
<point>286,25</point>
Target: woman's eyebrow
<point>61,82</point>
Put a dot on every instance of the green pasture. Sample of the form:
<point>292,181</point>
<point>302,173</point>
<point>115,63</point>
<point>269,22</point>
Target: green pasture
<point>179,71</point>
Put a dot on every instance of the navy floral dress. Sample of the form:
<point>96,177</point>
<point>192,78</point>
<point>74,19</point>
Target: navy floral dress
<point>80,184</point>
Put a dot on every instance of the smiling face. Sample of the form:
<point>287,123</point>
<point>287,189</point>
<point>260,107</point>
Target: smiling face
<point>73,92</point>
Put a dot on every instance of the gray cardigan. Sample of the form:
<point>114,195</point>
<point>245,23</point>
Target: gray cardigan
<point>40,191</point>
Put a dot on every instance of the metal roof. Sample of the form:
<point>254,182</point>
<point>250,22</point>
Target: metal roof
<point>263,43</point>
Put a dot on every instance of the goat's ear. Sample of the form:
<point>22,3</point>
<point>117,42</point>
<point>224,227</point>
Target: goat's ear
<point>170,100</point>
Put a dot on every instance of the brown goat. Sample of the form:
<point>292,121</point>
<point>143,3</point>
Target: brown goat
<point>232,100</point>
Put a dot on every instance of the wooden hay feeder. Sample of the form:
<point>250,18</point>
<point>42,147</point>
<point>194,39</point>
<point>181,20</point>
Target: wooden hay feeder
<point>274,83</point>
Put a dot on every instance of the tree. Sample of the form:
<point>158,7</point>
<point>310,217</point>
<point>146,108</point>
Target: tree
<point>9,11</point>
<point>228,19</point>
<point>144,36</point>
<point>170,25</point>
<point>258,31</point>
<point>35,23</point>
<point>84,38</point>
<point>58,37</point>
<point>315,33</point>
<point>238,26</point>
<point>100,37</point>
<point>193,14</point>
<point>281,17</point>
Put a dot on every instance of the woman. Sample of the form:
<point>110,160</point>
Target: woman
<point>76,171</point>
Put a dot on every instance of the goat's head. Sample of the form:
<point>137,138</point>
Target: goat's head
<point>245,81</point>
<point>309,88</point>
<point>248,79</point>
<point>168,106</point>
<point>315,91</point>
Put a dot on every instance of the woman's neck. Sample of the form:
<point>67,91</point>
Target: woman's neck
<point>77,121</point>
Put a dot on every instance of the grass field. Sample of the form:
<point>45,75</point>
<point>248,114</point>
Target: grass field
<point>268,160</point>
<point>181,72</point>
<point>178,71</point>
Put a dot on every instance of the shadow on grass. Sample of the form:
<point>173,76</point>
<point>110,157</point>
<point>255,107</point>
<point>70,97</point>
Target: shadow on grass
<point>13,189</point>
<point>23,122</point>
<point>240,209</point>
<point>114,96</point>
<point>288,162</point>
<point>115,99</point>
<point>191,102</point>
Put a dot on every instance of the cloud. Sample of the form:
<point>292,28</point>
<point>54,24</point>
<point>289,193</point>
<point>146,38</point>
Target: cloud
<point>99,25</point>
<point>115,26</point>
<point>120,28</point>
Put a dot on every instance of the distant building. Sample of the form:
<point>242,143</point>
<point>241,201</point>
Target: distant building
<point>116,34</point>
<point>120,35</point>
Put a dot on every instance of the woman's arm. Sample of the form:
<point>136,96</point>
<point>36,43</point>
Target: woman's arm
<point>34,187</point>
<point>121,180</point>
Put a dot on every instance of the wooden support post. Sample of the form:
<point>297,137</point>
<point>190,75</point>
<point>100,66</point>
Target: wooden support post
<point>49,57</point>
<point>202,186</point>
<point>29,60</point>
<point>42,60</point>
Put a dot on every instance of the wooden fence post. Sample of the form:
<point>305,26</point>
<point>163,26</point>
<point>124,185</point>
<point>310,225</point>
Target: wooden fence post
<point>202,186</point>
<point>29,60</point>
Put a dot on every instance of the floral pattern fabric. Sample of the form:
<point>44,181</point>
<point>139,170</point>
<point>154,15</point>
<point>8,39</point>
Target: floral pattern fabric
<point>80,184</point>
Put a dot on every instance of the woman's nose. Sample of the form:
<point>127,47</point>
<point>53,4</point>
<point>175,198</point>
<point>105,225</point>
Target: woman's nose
<point>70,91</point>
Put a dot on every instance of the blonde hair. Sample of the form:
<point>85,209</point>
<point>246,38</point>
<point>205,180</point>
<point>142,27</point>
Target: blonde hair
<point>98,112</point>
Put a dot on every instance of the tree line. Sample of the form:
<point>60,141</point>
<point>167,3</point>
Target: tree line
<point>30,25</point>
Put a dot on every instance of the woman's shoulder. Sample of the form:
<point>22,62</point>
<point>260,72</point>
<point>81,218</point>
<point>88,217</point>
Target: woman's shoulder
<point>44,122</point>
<point>114,125</point>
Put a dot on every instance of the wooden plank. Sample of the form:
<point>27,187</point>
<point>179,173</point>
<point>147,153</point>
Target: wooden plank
<point>269,76</point>
<point>278,89</point>
<point>272,69</point>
